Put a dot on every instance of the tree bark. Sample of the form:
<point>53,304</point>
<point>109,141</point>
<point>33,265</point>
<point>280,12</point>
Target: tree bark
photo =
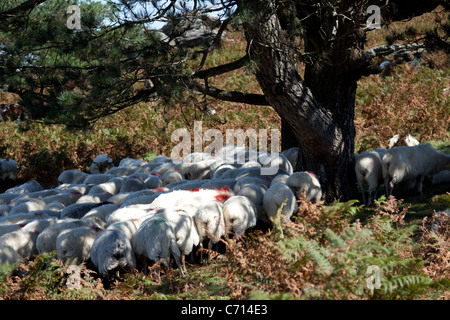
<point>318,111</point>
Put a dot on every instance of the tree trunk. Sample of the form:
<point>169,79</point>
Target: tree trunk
<point>318,111</point>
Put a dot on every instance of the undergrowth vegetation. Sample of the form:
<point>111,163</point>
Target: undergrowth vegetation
<point>325,252</point>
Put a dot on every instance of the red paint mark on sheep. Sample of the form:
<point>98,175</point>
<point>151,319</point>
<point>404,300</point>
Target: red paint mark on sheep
<point>222,197</point>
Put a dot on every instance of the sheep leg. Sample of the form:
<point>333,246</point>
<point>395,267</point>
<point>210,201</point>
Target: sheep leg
<point>420,184</point>
<point>363,192</point>
<point>386,186</point>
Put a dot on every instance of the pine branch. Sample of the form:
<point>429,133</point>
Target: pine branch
<point>25,6</point>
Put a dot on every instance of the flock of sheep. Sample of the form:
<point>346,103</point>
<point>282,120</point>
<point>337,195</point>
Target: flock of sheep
<point>143,212</point>
<point>140,212</point>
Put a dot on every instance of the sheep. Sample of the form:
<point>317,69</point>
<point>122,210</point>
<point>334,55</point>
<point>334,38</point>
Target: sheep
<point>46,240</point>
<point>101,212</point>
<point>442,176</point>
<point>78,210</point>
<point>127,227</point>
<point>72,177</point>
<point>28,206</point>
<point>239,214</point>
<point>27,187</point>
<point>153,181</point>
<point>171,176</point>
<point>160,159</point>
<point>263,181</point>
<point>279,178</point>
<point>273,162</point>
<point>409,141</point>
<point>98,178</point>
<point>8,169</point>
<point>195,197</point>
<point>81,188</point>
<point>132,184</point>
<point>130,162</point>
<point>255,193</point>
<point>408,163</point>
<point>219,183</point>
<point>126,213</point>
<point>5,209</point>
<point>210,224</point>
<point>304,181</point>
<point>185,231</point>
<point>110,187</point>
<point>22,217</point>
<point>101,164</point>
<point>66,198</point>
<point>292,155</point>
<point>55,206</point>
<point>111,250</point>
<point>23,242</point>
<point>8,255</point>
<point>76,243</point>
<point>200,170</point>
<point>40,225</point>
<point>7,228</point>
<point>275,196</point>
<point>5,198</point>
<point>155,240</point>
<point>368,170</point>
<point>94,198</point>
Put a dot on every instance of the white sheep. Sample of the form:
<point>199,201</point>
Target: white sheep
<point>111,250</point>
<point>185,231</point>
<point>263,181</point>
<point>133,183</point>
<point>28,205</point>
<point>101,212</point>
<point>409,141</point>
<point>155,240</point>
<point>274,162</point>
<point>255,193</point>
<point>442,176</point>
<point>46,240</point>
<point>200,170</point>
<point>27,187</point>
<point>23,217</point>
<point>171,176</point>
<point>66,198</point>
<point>275,196</point>
<point>76,243</point>
<point>72,177</point>
<point>94,198</point>
<point>6,198</point>
<point>101,164</point>
<point>304,181</point>
<point>153,181</point>
<point>98,178</point>
<point>292,155</point>
<point>368,170</point>
<point>409,163</point>
<point>5,209</point>
<point>8,255</point>
<point>23,242</point>
<point>239,214</point>
<point>210,223</point>
<point>78,210</point>
<point>127,227</point>
<point>8,169</point>
<point>110,187</point>
<point>127,213</point>
<point>7,228</point>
